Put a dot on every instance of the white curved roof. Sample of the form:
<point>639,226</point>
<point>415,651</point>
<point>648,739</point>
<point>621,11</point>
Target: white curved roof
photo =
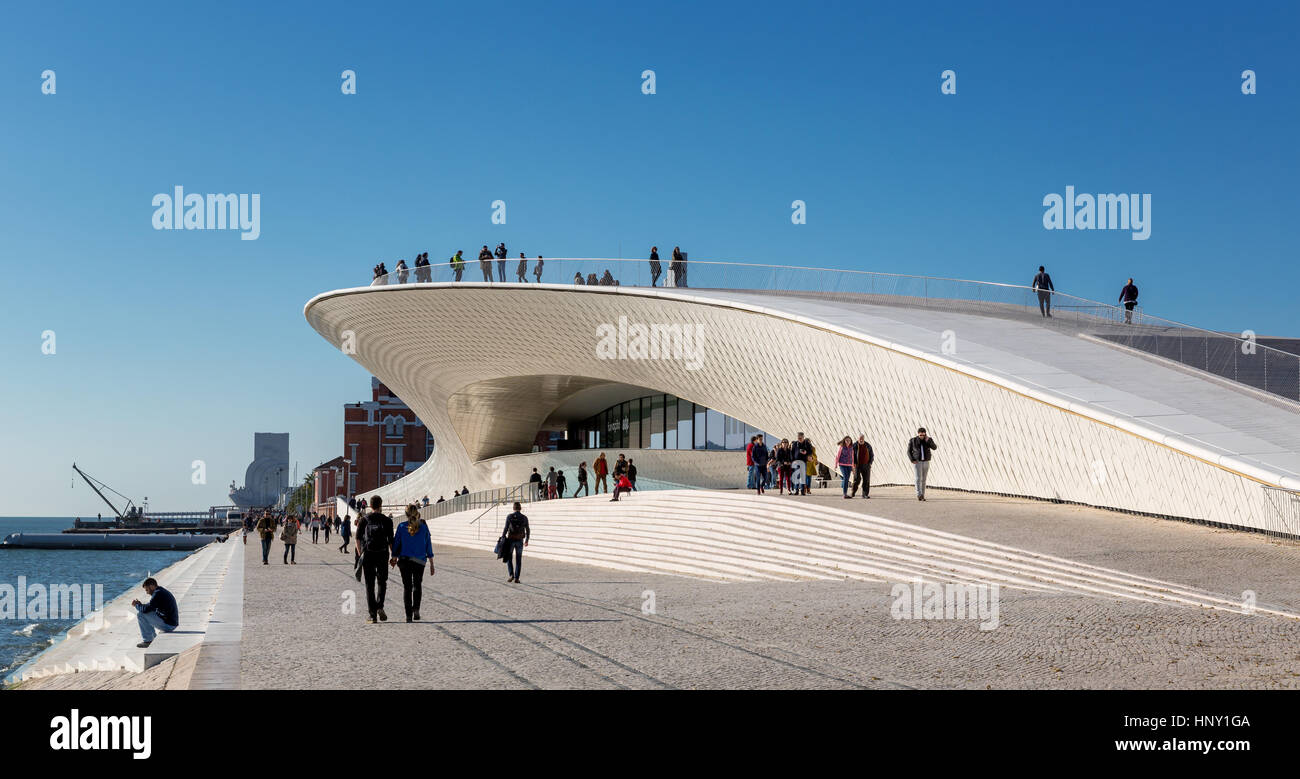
<point>1185,403</point>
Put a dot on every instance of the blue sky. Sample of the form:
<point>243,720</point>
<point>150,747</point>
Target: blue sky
<point>174,346</point>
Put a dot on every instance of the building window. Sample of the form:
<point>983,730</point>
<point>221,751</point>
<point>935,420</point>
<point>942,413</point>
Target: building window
<point>660,422</point>
<point>393,426</point>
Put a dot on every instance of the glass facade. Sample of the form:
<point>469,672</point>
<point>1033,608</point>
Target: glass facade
<point>661,422</point>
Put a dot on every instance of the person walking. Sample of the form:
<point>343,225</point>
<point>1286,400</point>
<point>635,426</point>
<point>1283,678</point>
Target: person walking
<point>862,457</point>
<point>535,485</point>
<point>485,262</point>
<point>501,261</point>
<point>601,466</point>
<point>582,480</point>
<point>810,466</point>
<point>798,472</point>
<point>266,529</point>
<point>457,263</point>
<point>749,462</point>
<point>918,451</point>
<point>656,270</point>
<point>315,529</point>
<point>783,462</point>
<point>561,484</point>
<point>374,542</point>
<point>289,535</point>
<point>515,535</point>
<point>537,272</point>
<point>678,267</point>
<point>412,546</point>
<point>1129,297</point>
<point>550,483</point>
<point>759,453</point>
<point>800,449</point>
<point>631,472</point>
<point>325,525</point>
<point>1043,286</point>
<point>521,272</point>
<point>844,461</point>
<point>345,530</point>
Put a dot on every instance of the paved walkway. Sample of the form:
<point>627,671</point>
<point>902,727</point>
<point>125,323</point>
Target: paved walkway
<point>577,626</point>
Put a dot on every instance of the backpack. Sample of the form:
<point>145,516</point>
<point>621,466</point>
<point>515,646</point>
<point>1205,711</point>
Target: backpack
<point>373,538</point>
<point>514,529</point>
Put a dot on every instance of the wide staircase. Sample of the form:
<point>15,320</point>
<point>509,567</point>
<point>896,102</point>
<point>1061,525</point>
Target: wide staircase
<point>107,642</point>
<point>734,536</point>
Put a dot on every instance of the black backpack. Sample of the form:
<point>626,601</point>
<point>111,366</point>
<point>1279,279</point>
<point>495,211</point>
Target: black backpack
<point>514,529</point>
<point>374,538</point>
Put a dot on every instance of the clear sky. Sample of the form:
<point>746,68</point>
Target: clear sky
<point>175,346</point>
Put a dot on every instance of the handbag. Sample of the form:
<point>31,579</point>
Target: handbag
<point>501,542</point>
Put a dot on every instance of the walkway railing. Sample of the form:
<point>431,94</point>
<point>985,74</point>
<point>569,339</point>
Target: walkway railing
<point>1287,504</point>
<point>528,492</point>
<point>1226,355</point>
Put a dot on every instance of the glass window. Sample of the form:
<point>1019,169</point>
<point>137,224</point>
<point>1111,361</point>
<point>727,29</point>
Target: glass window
<point>735,433</point>
<point>716,434</point>
<point>700,414</point>
<point>656,422</point>
<point>634,424</point>
<point>685,412</point>
<point>670,422</point>
<point>614,427</point>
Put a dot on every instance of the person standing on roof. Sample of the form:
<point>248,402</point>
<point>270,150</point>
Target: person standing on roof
<point>1129,297</point>
<point>457,264</point>
<point>485,262</point>
<point>1043,286</point>
<point>656,270</point>
<point>501,260</point>
<point>521,272</point>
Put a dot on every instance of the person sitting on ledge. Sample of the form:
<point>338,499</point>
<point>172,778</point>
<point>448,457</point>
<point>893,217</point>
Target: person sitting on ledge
<point>160,613</point>
<point>622,486</point>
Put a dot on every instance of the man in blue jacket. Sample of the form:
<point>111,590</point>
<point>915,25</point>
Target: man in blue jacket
<point>160,613</point>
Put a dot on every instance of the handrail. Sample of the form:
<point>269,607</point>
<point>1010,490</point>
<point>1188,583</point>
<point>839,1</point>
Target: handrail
<point>1227,355</point>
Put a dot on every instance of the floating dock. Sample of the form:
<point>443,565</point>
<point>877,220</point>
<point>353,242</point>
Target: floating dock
<point>108,541</point>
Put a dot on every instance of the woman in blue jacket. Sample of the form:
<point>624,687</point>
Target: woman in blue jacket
<point>412,546</point>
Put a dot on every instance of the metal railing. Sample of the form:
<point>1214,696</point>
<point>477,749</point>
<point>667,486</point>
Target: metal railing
<point>528,492</point>
<point>1287,504</point>
<point>1222,354</point>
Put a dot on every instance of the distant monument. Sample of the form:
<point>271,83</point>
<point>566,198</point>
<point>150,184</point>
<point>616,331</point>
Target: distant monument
<point>267,475</point>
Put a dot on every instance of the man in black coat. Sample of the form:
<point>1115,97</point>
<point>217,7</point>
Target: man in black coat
<point>918,451</point>
<point>862,457</point>
<point>1043,285</point>
<point>374,545</point>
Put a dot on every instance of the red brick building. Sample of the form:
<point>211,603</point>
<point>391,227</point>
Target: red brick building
<point>383,440</point>
<point>330,477</point>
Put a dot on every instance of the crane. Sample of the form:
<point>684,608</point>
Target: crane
<point>132,511</point>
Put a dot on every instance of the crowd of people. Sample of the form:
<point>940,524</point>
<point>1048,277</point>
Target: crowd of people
<point>401,273</point>
<point>378,546</point>
<point>555,485</point>
<point>793,465</point>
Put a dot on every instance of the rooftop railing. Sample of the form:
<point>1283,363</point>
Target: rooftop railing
<point>1237,358</point>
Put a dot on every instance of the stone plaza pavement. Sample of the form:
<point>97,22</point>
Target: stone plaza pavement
<point>578,626</point>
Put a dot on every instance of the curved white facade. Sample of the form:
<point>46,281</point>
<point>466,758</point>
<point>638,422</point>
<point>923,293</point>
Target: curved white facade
<point>485,365</point>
